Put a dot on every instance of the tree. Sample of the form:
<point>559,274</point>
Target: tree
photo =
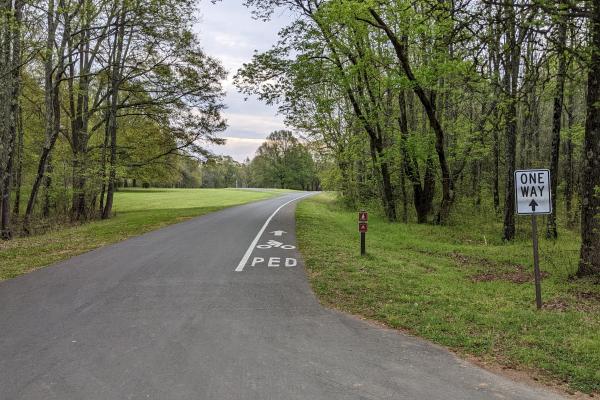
<point>589,263</point>
<point>222,172</point>
<point>11,15</point>
<point>561,40</point>
<point>282,162</point>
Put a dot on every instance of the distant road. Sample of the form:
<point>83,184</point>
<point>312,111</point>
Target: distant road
<point>217,307</point>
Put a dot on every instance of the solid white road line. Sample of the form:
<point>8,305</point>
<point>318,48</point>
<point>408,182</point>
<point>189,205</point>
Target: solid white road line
<point>244,260</point>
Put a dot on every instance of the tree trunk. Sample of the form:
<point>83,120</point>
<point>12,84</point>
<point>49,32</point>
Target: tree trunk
<point>529,108</point>
<point>496,166</point>
<point>79,123</point>
<point>103,166</point>
<point>424,198</point>
<point>422,193</point>
<point>494,67</point>
<point>509,198</point>
<point>19,163</point>
<point>569,160</point>
<point>388,191</point>
<point>47,204</point>
<point>5,227</point>
<point>524,142</point>
<point>475,179</point>
<point>112,117</point>
<point>589,263</point>
<point>12,62</point>
<point>511,85</point>
<point>404,196</point>
<point>5,75</point>
<point>551,231</point>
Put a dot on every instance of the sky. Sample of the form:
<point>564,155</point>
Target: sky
<point>228,33</point>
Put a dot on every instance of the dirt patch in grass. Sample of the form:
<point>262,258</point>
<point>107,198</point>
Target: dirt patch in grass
<point>579,303</point>
<point>463,260</point>
<point>489,271</point>
<point>556,304</point>
<point>589,296</point>
<point>518,275</point>
<point>429,269</point>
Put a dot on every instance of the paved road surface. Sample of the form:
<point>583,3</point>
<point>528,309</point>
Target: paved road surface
<point>167,316</point>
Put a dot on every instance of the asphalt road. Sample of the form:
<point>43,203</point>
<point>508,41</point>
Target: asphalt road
<point>174,314</point>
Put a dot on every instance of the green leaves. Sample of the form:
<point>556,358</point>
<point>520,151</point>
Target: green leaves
<point>283,162</point>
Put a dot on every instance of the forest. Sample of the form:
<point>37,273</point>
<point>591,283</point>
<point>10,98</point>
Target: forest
<point>429,107</point>
<point>94,94</point>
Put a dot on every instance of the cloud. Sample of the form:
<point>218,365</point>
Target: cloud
<point>238,148</point>
<point>228,32</point>
<point>256,126</point>
<point>232,41</point>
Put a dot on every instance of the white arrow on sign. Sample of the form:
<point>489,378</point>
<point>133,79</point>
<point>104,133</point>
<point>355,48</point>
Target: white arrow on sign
<point>278,233</point>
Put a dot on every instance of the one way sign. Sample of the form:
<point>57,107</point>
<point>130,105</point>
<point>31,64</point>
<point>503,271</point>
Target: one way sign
<point>532,191</point>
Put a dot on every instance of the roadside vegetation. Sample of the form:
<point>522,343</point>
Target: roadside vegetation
<point>424,105</point>
<point>136,212</point>
<point>460,286</point>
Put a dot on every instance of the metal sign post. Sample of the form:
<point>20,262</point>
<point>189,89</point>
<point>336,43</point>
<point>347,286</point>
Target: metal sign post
<point>534,197</point>
<point>363,227</point>
<point>536,263</point>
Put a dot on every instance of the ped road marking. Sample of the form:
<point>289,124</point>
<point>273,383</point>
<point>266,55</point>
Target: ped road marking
<point>244,259</point>
<point>275,262</point>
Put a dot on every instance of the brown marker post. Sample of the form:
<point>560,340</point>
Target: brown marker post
<point>363,227</point>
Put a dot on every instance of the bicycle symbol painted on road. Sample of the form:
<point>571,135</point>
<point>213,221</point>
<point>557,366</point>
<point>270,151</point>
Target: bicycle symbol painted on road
<point>274,243</point>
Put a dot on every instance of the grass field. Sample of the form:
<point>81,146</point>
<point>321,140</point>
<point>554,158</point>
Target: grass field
<point>462,287</point>
<point>136,211</point>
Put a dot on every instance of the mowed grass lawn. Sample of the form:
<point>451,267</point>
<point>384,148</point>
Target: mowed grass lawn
<point>460,286</point>
<point>136,212</point>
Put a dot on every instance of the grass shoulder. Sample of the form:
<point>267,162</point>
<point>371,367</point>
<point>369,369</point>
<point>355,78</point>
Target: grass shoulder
<point>461,287</point>
<point>136,212</point>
